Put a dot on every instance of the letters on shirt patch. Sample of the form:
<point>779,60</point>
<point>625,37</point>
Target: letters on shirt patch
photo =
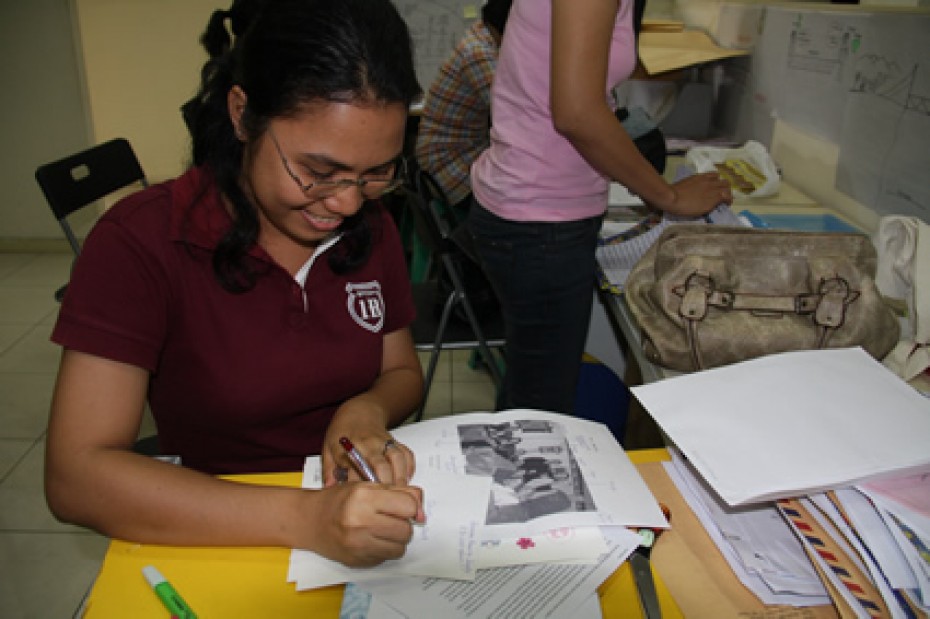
<point>366,306</point>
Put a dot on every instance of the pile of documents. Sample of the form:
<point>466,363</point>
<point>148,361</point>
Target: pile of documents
<point>525,511</point>
<point>834,444</point>
<point>762,551</point>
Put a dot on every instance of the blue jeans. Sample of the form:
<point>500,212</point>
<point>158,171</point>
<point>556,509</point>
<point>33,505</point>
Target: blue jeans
<point>543,274</point>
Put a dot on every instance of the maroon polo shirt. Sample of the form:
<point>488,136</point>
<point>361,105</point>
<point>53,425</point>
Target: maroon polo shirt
<point>239,382</point>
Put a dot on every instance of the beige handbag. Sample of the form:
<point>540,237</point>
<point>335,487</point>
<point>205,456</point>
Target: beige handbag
<point>707,296</point>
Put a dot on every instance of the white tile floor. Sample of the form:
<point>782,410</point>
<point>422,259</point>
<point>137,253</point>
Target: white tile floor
<point>46,566</point>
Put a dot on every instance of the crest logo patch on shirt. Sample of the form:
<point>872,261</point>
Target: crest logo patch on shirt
<point>366,305</point>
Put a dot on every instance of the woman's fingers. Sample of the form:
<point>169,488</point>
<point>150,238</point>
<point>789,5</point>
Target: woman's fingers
<point>399,461</point>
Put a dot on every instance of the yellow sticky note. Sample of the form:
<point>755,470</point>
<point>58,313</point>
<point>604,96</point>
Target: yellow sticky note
<point>470,11</point>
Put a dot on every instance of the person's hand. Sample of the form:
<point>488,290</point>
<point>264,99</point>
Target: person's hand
<point>362,524</point>
<point>392,461</point>
<point>698,194</point>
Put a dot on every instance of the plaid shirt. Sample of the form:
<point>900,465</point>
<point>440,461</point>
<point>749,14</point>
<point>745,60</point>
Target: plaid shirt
<point>456,117</point>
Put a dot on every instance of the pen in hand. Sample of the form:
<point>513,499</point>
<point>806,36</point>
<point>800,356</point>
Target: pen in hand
<point>363,468</point>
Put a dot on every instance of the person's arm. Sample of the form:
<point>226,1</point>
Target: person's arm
<point>93,479</point>
<point>366,418</point>
<point>581,35</point>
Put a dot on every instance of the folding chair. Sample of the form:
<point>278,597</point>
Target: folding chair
<point>78,180</point>
<point>436,328</point>
<point>81,179</point>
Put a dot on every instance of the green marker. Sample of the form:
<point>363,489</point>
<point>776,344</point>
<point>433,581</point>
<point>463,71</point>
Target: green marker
<point>166,593</point>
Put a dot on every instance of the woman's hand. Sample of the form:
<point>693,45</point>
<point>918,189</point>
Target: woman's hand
<point>697,195</point>
<point>391,461</point>
<point>361,524</point>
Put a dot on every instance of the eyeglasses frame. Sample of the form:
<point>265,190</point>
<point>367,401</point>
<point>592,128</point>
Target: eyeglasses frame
<point>329,188</point>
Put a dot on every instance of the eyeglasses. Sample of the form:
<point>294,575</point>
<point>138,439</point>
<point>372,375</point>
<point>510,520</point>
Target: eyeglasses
<point>371,187</point>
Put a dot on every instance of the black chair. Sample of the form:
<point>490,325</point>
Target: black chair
<point>446,315</point>
<point>79,180</point>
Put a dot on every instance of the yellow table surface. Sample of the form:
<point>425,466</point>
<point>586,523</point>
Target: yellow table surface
<point>252,582</point>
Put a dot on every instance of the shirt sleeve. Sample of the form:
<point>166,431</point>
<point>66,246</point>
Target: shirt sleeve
<point>116,303</point>
<point>478,70</point>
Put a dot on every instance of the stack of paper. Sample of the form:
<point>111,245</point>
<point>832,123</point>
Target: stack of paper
<point>514,501</point>
<point>903,504</point>
<point>880,539</point>
<point>794,423</point>
<point>813,424</point>
<point>760,548</point>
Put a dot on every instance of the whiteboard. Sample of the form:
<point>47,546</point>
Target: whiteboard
<point>859,80</point>
<point>436,26</point>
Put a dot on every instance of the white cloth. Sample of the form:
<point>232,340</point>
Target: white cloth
<point>903,245</point>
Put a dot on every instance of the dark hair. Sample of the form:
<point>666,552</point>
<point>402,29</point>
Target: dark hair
<point>216,39</point>
<point>494,13</point>
<point>293,53</point>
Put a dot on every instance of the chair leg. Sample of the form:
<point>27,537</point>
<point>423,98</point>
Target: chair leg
<point>434,354</point>
<point>483,347</point>
<point>476,360</point>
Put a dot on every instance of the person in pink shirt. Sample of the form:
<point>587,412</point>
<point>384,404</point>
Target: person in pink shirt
<point>541,187</point>
<point>258,304</point>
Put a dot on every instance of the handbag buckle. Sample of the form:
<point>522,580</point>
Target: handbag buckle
<point>694,296</point>
<point>835,296</point>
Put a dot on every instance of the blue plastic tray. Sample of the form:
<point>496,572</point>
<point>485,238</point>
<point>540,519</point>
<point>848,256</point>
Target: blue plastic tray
<point>797,221</point>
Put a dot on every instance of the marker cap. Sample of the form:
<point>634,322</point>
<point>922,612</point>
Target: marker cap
<point>153,576</point>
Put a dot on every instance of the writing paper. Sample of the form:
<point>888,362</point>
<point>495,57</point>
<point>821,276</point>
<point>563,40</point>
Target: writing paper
<point>548,590</point>
<point>444,546</point>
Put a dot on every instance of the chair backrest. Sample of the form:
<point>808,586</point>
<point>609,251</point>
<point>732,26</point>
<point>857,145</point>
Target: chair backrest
<point>73,182</point>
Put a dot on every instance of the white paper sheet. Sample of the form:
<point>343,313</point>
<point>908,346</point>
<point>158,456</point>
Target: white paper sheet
<point>603,485</point>
<point>376,609</point>
<point>555,591</point>
<point>793,423</point>
<point>445,545</point>
<point>582,544</point>
<point>363,605</point>
<point>556,478</point>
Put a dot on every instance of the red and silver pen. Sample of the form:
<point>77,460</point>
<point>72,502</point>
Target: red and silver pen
<point>363,468</point>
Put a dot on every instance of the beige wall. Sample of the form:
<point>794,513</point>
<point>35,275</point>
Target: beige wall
<point>141,61</point>
<point>78,72</point>
<point>41,110</point>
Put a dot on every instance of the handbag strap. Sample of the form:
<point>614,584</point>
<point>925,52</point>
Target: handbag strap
<point>827,306</point>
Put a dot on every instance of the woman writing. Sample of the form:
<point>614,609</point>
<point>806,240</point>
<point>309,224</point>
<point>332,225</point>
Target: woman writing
<point>259,303</point>
<point>541,187</point>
